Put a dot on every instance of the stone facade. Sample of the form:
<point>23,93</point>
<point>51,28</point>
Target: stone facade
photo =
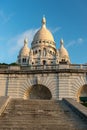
<point>44,72</point>
<point>61,83</point>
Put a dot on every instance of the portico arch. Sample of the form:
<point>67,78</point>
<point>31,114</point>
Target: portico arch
<point>38,91</point>
<point>82,92</point>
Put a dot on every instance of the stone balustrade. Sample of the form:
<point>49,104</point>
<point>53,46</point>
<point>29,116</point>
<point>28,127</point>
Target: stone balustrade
<point>44,67</point>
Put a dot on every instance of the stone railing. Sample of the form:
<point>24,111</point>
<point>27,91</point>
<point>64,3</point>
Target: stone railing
<point>3,103</point>
<point>44,67</point>
<point>79,109</point>
<point>54,67</point>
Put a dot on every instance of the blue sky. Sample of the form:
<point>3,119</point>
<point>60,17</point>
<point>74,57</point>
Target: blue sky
<point>66,19</point>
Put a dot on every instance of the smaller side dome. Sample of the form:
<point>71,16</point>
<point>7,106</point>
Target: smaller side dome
<point>63,52</point>
<point>24,50</point>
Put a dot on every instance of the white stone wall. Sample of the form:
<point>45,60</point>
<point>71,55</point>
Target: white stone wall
<point>69,84</point>
<point>60,84</point>
<point>63,85</point>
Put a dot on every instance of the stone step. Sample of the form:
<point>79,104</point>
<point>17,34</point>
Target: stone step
<point>39,115</point>
<point>39,128</point>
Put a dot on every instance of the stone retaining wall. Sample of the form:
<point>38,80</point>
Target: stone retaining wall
<point>79,109</point>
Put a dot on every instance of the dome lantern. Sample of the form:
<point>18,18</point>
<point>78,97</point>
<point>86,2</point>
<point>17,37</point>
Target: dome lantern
<point>61,42</point>
<point>25,41</point>
<point>43,22</point>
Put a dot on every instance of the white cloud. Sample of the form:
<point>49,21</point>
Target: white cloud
<point>56,29</point>
<point>75,42</point>
<point>80,40</point>
<point>17,42</point>
<point>4,18</point>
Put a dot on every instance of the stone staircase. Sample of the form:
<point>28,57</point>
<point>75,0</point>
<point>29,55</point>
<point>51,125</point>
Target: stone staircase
<point>39,115</point>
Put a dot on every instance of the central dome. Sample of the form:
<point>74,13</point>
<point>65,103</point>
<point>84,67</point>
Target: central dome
<point>43,34</point>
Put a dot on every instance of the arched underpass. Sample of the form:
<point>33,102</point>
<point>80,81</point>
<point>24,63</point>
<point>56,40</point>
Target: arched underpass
<point>82,93</point>
<point>38,92</point>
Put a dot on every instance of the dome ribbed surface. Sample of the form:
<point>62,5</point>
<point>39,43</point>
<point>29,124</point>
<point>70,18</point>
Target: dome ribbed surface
<point>63,52</point>
<point>24,51</point>
<point>43,34</point>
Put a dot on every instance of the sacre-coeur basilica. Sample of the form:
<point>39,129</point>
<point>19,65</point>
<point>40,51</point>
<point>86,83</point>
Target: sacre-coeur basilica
<point>43,90</point>
<point>43,49</point>
<point>43,71</point>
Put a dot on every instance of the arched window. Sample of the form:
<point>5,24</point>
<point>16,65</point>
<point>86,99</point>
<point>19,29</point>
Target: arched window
<point>44,62</point>
<point>50,52</point>
<point>39,52</point>
<point>43,41</point>
<point>19,60</point>
<point>24,60</point>
<point>35,51</point>
<point>40,41</point>
<point>63,60</point>
<point>44,52</point>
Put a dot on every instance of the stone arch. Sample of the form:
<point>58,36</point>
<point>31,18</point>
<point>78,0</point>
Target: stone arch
<point>82,92</point>
<point>46,81</point>
<point>37,91</point>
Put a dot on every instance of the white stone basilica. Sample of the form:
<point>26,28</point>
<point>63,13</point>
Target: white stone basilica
<point>43,72</point>
<point>43,49</point>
